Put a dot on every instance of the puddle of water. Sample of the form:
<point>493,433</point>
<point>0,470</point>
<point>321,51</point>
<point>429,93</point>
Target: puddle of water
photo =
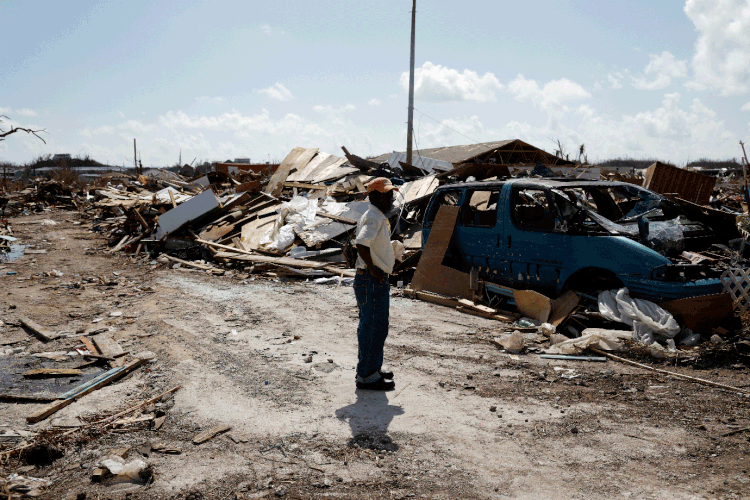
<point>15,253</point>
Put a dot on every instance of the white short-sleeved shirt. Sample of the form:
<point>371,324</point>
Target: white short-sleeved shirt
<point>374,231</point>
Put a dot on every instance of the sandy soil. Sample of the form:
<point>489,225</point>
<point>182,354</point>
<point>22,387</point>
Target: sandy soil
<point>275,360</point>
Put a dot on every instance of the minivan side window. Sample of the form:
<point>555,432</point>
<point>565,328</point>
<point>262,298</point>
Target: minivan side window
<point>447,197</point>
<point>480,208</point>
<point>532,210</point>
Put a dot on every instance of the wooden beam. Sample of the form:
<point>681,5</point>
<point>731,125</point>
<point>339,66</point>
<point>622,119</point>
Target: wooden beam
<point>37,329</point>
<point>84,389</point>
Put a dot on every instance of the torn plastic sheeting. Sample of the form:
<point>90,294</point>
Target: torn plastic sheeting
<point>666,236</point>
<point>649,321</point>
<point>606,340</point>
<point>298,211</point>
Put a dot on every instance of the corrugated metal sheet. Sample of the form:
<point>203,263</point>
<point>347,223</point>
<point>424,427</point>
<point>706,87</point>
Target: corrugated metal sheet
<point>690,186</point>
<point>429,165</point>
<point>452,154</point>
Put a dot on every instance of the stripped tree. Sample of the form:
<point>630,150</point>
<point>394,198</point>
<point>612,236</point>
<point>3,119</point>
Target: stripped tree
<point>13,130</point>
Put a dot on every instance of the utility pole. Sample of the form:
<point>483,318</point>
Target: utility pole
<point>410,123</point>
<point>135,158</point>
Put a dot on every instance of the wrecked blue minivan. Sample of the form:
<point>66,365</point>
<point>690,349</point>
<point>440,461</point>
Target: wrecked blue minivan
<point>551,235</point>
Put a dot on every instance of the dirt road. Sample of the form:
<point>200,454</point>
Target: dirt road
<point>275,361</point>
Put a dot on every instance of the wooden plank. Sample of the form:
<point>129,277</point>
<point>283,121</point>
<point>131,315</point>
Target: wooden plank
<point>304,185</point>
<point>338,218</point>
<point>171,197</point>
<point>456,304</point>
<point>192,264</point>
<point>533,304</point>
<point>562,307</point>
<point>210,433</point>
<point>88,345</point>
<point>84,389</point>
<point>295,160</point>
<point>37,329</point>
<point>107,345</point>
<point>52,372</point>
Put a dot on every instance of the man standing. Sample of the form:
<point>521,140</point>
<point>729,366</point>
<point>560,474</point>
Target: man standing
<point>371,287</point>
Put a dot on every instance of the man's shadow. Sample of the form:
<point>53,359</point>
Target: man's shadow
<point>369,418</point>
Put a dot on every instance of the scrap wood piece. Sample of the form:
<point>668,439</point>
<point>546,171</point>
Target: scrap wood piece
<point>671,374</point>
<point>210,433</point>
<point>88,345</point>
<point>457,304</point>
<point>533,304</point>
<point>52,372</point>
<point>83,389</point>
<point>137,407</point>
<point>195,265</point>
<point>295,160</point>
<point>37,329</point>
<point>107,345</point>
<point>562,307</point>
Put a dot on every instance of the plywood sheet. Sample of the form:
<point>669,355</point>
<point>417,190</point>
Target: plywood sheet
<point>431,275</point>
<point>702,313</point>
<point>253,231</point>
<point>297,159</point>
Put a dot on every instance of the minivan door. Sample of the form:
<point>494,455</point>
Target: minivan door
<point>479,232</point>
<point>534,239</point>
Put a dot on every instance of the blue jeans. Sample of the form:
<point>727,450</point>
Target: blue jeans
<point>373,301</point>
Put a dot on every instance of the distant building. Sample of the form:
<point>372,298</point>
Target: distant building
<point>61,156</point>
<point>241,160</point>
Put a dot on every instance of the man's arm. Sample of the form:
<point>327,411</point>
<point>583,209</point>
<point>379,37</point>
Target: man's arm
<point>364,252</point>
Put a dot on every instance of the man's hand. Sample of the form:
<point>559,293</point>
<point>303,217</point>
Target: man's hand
<point>375,271</point>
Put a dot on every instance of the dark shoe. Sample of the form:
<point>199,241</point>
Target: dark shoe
<point>388,375</point>
<point>378,385</point>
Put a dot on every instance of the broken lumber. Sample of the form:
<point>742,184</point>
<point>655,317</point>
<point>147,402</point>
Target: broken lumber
<point>107,345</point>
<point>195,265</point>
<point>210,433</point>
<point>463,306</point>
<point>37,329</point>
<point>52,372</point>
<point>88,345</point>
<point>562,307</point>
<point>83,389</point>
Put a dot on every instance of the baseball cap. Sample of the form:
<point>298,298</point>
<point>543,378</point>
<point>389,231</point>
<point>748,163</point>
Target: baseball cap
<point>381,184</point>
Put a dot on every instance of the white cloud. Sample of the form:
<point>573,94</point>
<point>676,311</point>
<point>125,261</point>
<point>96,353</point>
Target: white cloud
<point>662,68</point>
<point>336,111</point>
<point>746,106</point>
<point>436,83</point>
<point>17,112</point>
<point>137,126</point>
<point>277,91</point>
<point>267,29</point>
<point>551,98</point>
<point>122,115</point>
<point>722,51</point>
<point>374,102</point>
<point>103,130</point>
<point>206,98</point>
<point>393,96</point>
<point>614,80</point>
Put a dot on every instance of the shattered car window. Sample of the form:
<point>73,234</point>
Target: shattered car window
<point>532,210</point>
<point>449,198</point>
<point>480,209</point>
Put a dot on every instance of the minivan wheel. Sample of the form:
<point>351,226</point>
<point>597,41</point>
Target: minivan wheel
<point>593,281</point>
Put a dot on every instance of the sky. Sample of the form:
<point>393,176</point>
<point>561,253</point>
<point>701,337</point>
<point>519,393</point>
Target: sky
<point>218,80</point>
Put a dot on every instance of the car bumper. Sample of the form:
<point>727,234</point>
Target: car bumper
<point>663,291</point>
